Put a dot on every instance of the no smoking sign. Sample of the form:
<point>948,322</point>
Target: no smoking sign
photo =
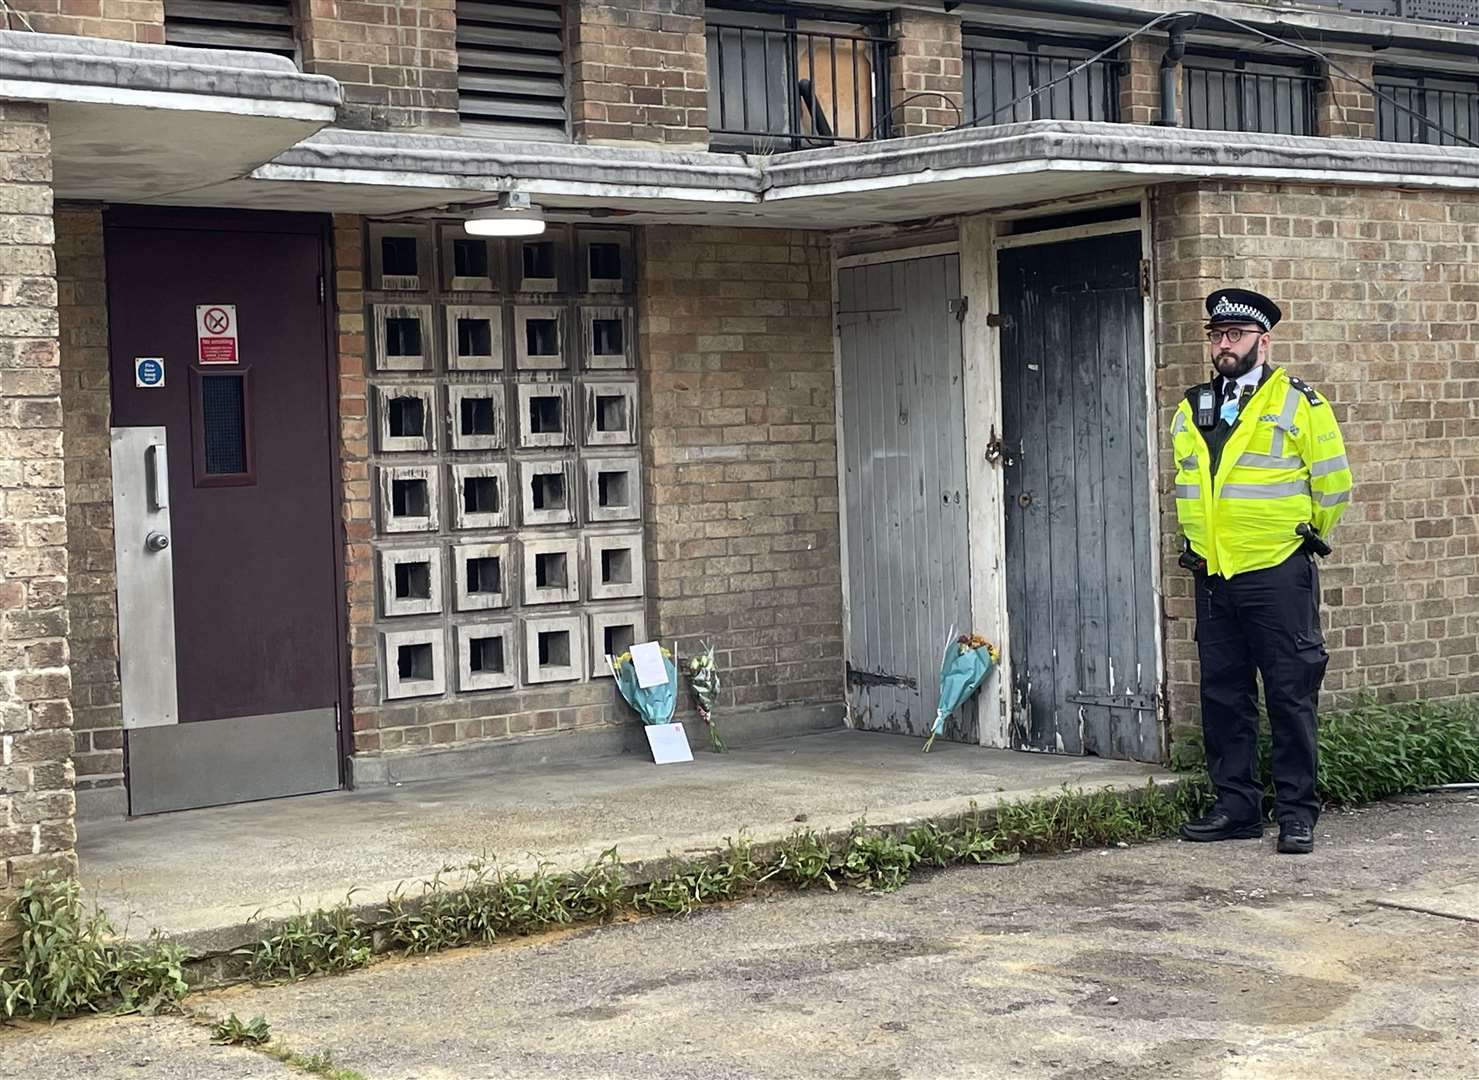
<point>215,333</point>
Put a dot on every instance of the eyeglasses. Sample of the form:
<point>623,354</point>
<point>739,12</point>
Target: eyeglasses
<point>1232,336</point>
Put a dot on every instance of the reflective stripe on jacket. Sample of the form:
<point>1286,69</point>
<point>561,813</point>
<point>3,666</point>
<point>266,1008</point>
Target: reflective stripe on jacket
<point>1283,464</point>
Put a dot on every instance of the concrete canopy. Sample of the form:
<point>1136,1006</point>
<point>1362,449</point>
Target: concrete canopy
<point>134,123</point>
<point>905,179</point>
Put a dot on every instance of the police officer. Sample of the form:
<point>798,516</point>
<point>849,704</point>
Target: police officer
<point>1261,477</point>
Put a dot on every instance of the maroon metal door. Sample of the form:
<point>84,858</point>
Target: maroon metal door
<point>250,484</point>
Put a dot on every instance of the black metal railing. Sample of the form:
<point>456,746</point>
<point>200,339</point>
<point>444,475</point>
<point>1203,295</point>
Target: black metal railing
<point>1454,12</point>
<point>1236,95</point>
<point>786,88</point>
<point>1427,109</point>
<point>1007,82</point>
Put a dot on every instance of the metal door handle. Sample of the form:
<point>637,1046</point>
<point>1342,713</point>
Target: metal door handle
<point>156,465</point>
<point>156,541</point>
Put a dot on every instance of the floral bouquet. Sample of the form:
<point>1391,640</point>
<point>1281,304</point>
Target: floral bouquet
<point>654,704</point>
<point>968,660</point>
<point>703,684</point>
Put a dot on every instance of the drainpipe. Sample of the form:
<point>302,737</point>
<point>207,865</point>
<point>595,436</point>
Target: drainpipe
<point>1175,50</point>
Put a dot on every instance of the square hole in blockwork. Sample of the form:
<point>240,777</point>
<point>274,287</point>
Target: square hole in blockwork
<point>414,662</point>
<point>484,574</point>
<point>546,414</point>
<point>616,566</point>
<point>613,489</point>
<point>485,655</point>
<point>611,412</point>
<point>605,261</point>
<point>542,337</point>
<point>554,648</point>
<point>398,256</point>
<point>617,638</point>
<point>410,498</point>
<point>470,257</point>
<point>541,260</point>
<point>413,581</point>
<point>481,495</point>
<point>474,336</point>
<point>551,570</point>
<point>549,491</point>
<point>477,416</point>
<point>403,336</point>
<point>608,337</point>
<point>406,417</point>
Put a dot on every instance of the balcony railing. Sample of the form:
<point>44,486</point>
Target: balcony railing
<point>788,88</point>
<point>1439,110</point>
<point>1235,95</point>
<point>1454,12</point>
<point>1001,76</point>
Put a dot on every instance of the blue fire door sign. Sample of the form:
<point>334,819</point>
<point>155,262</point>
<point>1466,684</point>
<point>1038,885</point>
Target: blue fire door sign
<point>148,371</point>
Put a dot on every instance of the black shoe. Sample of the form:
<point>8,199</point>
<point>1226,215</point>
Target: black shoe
<point>1296,838</point>
<point>1220,825</point>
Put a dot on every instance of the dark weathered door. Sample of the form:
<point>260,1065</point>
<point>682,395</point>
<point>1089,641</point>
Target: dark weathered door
<point>251,501</point>
<point>1080,591</point>
<point>903,445</point>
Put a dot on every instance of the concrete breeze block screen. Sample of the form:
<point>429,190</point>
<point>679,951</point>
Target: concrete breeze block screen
<point>504,426</point>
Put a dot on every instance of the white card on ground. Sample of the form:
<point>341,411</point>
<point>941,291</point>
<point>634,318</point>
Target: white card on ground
<point>669,743</point>
<point>651,671</point>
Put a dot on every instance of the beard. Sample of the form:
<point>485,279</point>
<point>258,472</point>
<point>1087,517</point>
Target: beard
<point>1234,365</point>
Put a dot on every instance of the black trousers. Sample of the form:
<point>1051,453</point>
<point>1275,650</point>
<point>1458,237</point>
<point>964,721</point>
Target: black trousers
<point>1266,621</point>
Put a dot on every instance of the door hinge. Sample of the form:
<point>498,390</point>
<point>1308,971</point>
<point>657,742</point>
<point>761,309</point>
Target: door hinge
<point>1145,278</point>
<point>996,320</point>
<point>320,288</point>
<point>959,306</point>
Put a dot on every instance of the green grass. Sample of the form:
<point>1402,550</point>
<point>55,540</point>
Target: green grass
<point>1375,751</point>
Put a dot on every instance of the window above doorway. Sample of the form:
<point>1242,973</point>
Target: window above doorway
<point>260,26</point>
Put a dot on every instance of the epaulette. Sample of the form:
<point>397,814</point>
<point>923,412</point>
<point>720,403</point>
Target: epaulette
<point>1307,390</point>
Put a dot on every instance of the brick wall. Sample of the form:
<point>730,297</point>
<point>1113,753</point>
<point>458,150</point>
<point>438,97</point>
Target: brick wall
<point>397,61</point>
<point>123,20</point>
<point>36,800</point>
<point>741,461</point>
<point>638,71</point>
<point>926,64</point>
<point>92,598</point>
<point>1380,291</point>
<point>1344,109</point>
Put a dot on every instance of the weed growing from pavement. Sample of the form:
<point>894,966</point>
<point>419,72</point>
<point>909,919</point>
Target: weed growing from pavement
<point>233,1031</point>
<point>67,959</point>
<point>320,942</point>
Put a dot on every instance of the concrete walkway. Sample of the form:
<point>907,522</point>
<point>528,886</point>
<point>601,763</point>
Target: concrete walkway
<point>202,875</point>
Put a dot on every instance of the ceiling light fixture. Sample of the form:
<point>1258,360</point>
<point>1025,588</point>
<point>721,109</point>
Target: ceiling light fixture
<point>513,215</point>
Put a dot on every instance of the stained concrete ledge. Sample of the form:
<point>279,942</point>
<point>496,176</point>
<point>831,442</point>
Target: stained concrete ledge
<point>221,878</point>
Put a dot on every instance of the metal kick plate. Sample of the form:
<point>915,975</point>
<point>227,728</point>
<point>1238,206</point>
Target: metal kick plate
<point>146,579</point>
<point>215,762</point>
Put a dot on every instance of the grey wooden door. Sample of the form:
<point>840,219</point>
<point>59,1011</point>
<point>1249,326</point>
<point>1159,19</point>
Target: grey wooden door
<point>1080,593</point>
<point>903,441</point>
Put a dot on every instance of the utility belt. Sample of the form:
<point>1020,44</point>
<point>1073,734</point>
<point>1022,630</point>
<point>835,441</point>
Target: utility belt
<point>1313,544</point>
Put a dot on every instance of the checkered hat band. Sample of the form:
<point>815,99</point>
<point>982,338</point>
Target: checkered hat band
<point>1226,308</point>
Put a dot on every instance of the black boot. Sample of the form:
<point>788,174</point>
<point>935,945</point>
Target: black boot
<point>1220,825</point>
<point>1296,838</point>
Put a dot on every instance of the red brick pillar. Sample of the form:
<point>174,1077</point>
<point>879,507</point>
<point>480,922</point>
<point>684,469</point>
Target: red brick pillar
<point>638,72</point>
<point>1345,109</point>
<point>37,805</point>
<point>926,80</point>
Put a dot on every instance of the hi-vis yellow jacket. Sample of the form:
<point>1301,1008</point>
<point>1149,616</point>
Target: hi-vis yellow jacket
<point>1283,464</point>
